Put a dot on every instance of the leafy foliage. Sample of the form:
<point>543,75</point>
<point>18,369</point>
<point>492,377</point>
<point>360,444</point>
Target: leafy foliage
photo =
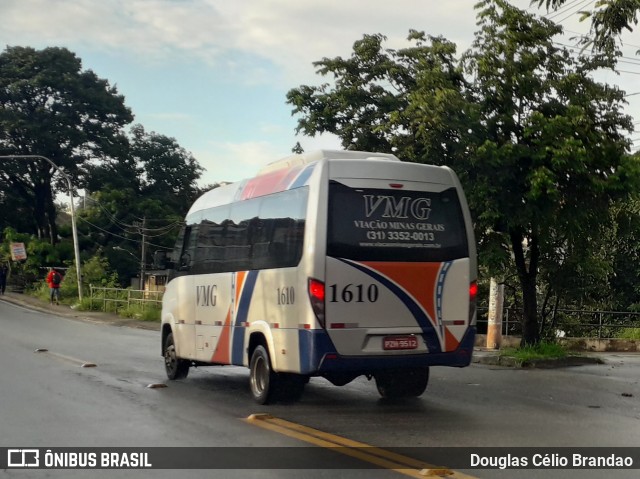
<point>49,106</point>
<point>609,20</point>
<point>553,154</point>
<point>147,192</point>
<point>95,271</point>
<point>538,144</point>
<point>372,103</point>
<point>630,333</point>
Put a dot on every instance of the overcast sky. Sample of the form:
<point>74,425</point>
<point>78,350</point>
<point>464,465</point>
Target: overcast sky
<point>213,74</point>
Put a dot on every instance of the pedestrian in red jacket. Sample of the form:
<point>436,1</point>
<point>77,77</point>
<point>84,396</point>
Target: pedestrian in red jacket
<point>53,280</point>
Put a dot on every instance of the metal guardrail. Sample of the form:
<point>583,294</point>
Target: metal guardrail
<point>574,323</point>
<point>121,298</point>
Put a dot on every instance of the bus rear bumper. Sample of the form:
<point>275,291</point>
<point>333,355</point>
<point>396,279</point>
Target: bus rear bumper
<point>461,357</point>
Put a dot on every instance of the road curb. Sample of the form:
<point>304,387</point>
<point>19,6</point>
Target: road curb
<point>494,359</point>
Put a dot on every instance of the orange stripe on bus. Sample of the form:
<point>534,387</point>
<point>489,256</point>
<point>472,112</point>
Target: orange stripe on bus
<point>222,352</point>
<point>240,277</point>
<point>418,279</point>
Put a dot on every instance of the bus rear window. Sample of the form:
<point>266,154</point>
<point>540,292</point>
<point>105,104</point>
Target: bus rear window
<point>392,225</point>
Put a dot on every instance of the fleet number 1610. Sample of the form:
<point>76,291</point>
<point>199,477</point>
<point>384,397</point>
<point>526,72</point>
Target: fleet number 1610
<point>359,293</point>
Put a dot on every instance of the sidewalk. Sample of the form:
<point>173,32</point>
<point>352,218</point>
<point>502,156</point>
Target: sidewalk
<point>30,302</point>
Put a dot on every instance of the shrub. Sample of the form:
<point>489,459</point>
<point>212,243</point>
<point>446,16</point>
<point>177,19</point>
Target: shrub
<point>630,333</point>
<point>87,305</point>
<point>148,313</point>
<point>542,350</point>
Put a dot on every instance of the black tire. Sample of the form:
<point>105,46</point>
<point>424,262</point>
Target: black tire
<point>402,383</point>
<point>263,381</point>
<point>175,367</point>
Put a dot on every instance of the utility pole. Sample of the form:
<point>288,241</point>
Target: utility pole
<point>494,329</point>
<point>144,252</point>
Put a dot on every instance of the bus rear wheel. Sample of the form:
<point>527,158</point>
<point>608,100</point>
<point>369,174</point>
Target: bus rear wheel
<point>402,383</point>
<point>175,367</point>
<point>262,379</point>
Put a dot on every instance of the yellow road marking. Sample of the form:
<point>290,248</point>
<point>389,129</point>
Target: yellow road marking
<point>359,450</point>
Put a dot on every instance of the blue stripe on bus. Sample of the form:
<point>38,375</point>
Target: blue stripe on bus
<point>313,345</point>
<point>430,333</point>
<point>303,177</point>
<point>242,312</point>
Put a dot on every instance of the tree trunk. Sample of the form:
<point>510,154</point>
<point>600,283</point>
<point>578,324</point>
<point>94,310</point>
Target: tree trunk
<point>527,274</point>
<point>51,216</point>
<point>530,330</point>
<point>43,213</point>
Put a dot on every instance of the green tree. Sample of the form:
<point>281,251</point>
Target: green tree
<point>169,171</point>
<point>609,19</point>
<point>553,154</point>
<point>96,271</point>
<point>623,243</point>
<point>117,220</point>
<point>366,105</point>
<point>538,144</point>
<point>15,212</point>
<point>50,106</point>
<point>143,194</point>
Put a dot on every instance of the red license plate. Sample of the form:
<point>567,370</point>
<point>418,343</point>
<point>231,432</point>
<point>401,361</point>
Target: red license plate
<point>399,342</point>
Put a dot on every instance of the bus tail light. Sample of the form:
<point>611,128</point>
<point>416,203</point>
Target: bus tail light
<point>316,297</point>
<point>473,295</point>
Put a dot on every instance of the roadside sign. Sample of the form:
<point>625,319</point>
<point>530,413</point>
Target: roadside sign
<point>18,251</point>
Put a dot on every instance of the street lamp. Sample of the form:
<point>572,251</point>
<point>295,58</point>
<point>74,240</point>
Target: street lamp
<point>76,248</point>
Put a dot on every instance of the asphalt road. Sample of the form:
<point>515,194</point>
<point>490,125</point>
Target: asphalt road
<point>48,399</point>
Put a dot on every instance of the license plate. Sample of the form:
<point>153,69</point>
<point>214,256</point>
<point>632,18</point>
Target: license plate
<point>399,342</point>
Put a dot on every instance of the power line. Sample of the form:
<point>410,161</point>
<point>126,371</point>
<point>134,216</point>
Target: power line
<point>589,38</point>
<point>585,4</point>
<point>629,60</point>
<point>627,71</point>
<point>138,242</point>
<point>106,231</point>
<point>560,11</point>
<point>127,227</point>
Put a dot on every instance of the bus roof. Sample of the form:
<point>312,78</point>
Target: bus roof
<point>306,158</point>
<point>279,175</point>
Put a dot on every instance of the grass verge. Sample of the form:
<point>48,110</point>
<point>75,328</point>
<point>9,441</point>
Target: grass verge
<point>630,333</point>
<point>542,350</point>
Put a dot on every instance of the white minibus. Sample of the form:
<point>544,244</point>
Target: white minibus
<point>330,264</point>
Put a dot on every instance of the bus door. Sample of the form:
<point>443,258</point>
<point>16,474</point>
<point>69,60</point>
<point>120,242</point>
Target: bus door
<point>213,317</point>
<point>180,292</point>
<point>398,271</point>
<point>212,287</point>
